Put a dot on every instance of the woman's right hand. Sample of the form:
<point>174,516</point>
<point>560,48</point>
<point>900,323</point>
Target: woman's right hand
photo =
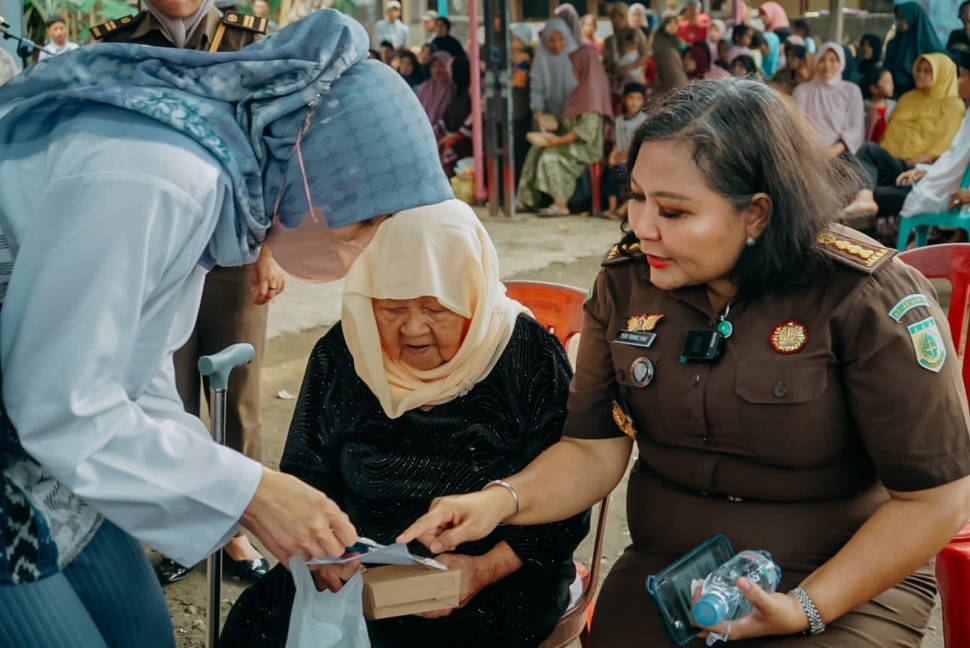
<point>907,178</point>
<point>457,519</point>
<point>291,518</point>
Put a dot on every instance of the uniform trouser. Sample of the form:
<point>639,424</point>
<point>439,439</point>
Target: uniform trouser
<point>227,315</point>
<point>107,596</point>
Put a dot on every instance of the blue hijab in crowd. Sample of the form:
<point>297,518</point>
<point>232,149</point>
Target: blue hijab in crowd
<point>367,146</point>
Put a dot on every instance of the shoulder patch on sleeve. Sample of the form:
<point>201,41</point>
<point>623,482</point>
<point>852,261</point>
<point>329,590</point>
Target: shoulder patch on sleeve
<point>248,22</point>
<point>621,253</point>
<point>100,31</point>
<point>853,249</point>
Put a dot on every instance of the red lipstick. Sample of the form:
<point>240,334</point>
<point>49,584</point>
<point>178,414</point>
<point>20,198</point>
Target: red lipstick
<point>657,262</point>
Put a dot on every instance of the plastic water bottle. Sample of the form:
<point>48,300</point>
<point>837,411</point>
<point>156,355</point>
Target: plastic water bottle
<point>721,600</point>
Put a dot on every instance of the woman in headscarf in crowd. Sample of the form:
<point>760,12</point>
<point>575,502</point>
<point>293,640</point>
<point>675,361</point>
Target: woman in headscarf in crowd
<point>692,25</point>
<point>568,14</point>
<point>98,455</point>
<point>555,164</point>
<point>454,129</point>
<point>851,72</point>
<point>914,37</point>
<point>744,66</point>
<point>520,37</point>
<point>697,63</point>
<point>433,382</point>
<point>870,57</point>
<point>409,68</point>
<point>667,64</point>
<point>588,24</point>
<point>551,79</point>
<point>715,32</point>
<point>613,49</point>
<point>639,17</point>
<point>436,93</point>
<point>924,122</point>
<point>775,19</point>
<point>770,47</point>
<point>833,105</point>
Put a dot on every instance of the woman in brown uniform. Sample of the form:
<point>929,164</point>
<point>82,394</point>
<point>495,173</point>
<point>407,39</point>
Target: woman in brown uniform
<point>829,428</point>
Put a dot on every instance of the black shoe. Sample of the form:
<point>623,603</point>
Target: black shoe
<point>250,570</point>
<point>170,571</point>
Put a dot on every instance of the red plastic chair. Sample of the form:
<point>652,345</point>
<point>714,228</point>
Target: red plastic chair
<point>560,309</point>
<point>952,262</point>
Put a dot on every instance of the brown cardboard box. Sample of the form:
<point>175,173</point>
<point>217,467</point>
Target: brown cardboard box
<point>398,590</point>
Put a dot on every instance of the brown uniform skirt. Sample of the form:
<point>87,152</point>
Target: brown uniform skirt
<point>666,522</point>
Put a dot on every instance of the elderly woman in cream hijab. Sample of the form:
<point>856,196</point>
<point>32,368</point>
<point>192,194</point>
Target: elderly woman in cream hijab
<point>433,382</point>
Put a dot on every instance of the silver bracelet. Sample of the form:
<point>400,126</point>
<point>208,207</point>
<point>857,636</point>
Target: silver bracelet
<point>515,496</point>
<point>815,625</point>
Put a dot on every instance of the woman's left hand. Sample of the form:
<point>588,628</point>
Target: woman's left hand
<point>473,579</point>
<point>269,280</point>
<point>773,614</point>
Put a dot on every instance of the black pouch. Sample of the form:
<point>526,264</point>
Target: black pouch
<point>671,592</point>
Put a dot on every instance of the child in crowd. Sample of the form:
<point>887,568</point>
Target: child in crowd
<point>57,42</point>
<point>800,28</point>
<point>629,45</point>
<point>879,107</point>
<point>634,96</point>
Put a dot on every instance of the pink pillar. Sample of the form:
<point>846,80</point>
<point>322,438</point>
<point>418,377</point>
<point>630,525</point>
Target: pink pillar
<point>475,60</point>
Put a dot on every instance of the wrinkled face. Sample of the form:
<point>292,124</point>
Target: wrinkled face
<point>420,332</point>
<point>58,33</point>
<point>963,84</point>
<point>176,8</point>
<point>261,8</point>
<point>556,43</point>
<point>438,70</point>
<point>690,234</point>
<point>440,28</point>
<point>885,87</point>
<point>404,66</point>
<point>923,75</point>
<point>633,102</point>
<point>827,66</point>
<point>865,50</point>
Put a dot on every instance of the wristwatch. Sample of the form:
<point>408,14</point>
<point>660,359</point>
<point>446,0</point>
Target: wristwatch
<point>815,625</point>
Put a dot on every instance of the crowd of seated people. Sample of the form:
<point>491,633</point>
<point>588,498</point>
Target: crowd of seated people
<point>889,104</point>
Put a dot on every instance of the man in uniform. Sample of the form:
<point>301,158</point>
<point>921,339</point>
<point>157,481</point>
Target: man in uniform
<point>235,300</point>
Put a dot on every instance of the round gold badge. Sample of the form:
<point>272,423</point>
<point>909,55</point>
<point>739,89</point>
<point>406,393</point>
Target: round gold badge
<point>789,337</point>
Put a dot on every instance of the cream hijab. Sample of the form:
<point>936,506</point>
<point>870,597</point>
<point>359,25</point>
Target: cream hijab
<point>440,251</point>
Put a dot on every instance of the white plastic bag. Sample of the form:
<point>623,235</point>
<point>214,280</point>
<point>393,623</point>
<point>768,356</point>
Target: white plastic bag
<point>324,619</point>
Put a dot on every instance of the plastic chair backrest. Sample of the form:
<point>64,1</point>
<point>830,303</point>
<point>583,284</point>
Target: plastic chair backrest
<point>556,306</point>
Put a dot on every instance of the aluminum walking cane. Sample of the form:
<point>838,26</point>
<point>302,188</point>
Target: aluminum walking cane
<point>217,368</point>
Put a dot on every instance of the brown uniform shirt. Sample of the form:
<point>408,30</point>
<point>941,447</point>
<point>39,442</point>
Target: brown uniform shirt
<point>144,29</point>
<point>852,405</point>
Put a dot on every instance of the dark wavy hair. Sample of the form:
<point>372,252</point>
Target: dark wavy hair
<point>747,139</point>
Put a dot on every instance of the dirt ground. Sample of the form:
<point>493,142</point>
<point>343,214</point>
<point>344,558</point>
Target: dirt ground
<point>283,371</point>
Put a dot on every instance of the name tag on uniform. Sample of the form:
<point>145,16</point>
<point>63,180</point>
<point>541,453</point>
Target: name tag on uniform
<point>643,339</point>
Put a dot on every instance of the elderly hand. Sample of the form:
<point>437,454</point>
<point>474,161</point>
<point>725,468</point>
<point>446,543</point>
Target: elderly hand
<point>474,578</point>
<point>959,198</point>
<point>773,614</point>
<point>291,518</point>
<point>334,577</point>
<point>910,177</point>
<point>269,280</point>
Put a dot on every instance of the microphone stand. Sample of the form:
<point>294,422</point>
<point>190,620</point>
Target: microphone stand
<point>25,46</point>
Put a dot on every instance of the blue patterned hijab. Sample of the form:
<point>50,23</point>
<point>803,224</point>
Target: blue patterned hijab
<point>368,148</point>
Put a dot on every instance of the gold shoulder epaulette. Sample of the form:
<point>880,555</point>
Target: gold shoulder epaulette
<point>853,249</point>
<point>100,31</point>
<point>245,21</point>
<point>621,253</point>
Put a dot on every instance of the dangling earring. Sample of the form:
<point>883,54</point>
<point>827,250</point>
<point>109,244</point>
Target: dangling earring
<point>750,241</point>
